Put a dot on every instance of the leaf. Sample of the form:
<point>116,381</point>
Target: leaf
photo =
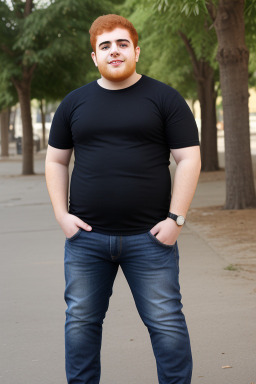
<point>196,9</point>
<point>185,8</point>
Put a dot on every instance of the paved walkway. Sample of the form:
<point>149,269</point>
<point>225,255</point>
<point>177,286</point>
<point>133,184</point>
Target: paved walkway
<point>220,308</point>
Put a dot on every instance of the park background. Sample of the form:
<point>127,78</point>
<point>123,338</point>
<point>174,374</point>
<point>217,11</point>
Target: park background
<point>204,49</point>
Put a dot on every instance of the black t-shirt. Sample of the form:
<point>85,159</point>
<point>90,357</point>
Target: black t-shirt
<point>122,138</point>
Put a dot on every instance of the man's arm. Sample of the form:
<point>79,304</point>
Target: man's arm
<point>57,180</point>
<point>185,181</point>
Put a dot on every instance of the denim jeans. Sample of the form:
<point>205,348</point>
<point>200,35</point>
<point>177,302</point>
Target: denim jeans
<point>151,269</point>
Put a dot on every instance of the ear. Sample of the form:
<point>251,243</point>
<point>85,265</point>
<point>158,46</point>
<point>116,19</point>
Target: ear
<point>93,55</point>
<point>137,54</point>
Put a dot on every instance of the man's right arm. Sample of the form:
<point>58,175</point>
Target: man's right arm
<point>57,180</point>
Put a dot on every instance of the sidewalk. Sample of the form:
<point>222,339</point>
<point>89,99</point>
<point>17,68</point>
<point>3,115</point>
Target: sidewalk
<point>219,306</point>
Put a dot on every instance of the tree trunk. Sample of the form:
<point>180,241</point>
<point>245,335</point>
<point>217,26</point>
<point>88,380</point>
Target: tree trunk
<point>5,119</point>
<point>43,122</point>
<point>13,122</point>
<point>204,76</point>
<point>233,58</point>
<point>23,86</point>
<point>23,90</point>
<point>207,98</point>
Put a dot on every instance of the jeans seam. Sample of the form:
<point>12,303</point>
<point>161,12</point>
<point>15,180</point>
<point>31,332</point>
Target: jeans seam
<point>120,246</point>
<point>176,257</point>
<point>113,257</point>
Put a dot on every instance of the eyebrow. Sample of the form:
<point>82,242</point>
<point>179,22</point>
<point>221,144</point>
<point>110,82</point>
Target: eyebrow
<point>109,42</point>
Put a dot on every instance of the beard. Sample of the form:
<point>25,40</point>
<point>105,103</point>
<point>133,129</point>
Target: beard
<point>117,73</point>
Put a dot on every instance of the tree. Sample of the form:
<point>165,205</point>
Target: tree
<point>7,99</point>
<point>229,18</point>
<point>20,70</point>
<point>232,56</point>
<point>34,36</point>
<point>54,81</point>
<point>193,32</point>
<point>204,74</point>
<point>4,126</point>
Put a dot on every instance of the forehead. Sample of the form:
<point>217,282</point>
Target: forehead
<point>116,34</point>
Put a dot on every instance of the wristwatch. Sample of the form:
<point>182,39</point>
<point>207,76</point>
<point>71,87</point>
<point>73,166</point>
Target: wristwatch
<point>180,220</point>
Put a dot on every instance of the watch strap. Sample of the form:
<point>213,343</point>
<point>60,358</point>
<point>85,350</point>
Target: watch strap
<point>172,216</point>
<point>179,219</point>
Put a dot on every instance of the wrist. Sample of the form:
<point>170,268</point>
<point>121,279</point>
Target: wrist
<point>61,215</point>
<point>179,219</point>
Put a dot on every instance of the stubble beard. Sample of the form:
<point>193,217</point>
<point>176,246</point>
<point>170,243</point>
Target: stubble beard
<point>117,74</point>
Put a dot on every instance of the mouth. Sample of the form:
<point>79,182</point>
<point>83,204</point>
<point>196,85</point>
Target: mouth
<point>115,62</point>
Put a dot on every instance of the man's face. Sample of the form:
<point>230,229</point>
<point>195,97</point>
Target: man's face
<point>115,55</point>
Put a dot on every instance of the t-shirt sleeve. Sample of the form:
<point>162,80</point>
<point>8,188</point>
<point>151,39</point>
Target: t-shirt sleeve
<point>60,133</point>
<point>180,126</point>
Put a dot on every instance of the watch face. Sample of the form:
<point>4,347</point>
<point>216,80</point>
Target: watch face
<point>180,220</point>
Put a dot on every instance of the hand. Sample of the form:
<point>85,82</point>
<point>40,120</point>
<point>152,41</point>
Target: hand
<point>70,224</point>
<point>167,231</point>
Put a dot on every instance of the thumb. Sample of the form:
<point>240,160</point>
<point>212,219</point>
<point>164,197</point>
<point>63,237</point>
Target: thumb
<point>80,223</point>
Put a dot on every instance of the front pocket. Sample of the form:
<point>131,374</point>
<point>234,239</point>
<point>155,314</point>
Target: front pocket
<point>155,240</point>
<point>75,235</point>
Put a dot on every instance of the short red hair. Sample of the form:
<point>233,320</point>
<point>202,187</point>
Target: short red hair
<point>107,23</point>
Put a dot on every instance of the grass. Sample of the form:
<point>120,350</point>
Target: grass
<point>231,267</point>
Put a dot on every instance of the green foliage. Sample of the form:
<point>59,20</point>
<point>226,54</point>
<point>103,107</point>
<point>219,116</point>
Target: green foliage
<point>250,31</point>
<point>163,56</point>
<point>250,24</point>
<point>8,95</point>
<point>171,65</point>
<point>189,7</point>
<point>250,9</point>
<point>184,16</point>
<point>54,38</point>
<point>163,53</point>
<point>252,70</point>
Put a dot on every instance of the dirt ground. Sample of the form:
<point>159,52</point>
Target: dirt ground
<point>232,233</point>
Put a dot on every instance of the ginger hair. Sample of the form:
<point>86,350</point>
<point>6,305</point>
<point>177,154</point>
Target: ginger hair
<point>107,23</point>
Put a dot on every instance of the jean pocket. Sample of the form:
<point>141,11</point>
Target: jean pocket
<point>75,235</point>
<point>156,241</point>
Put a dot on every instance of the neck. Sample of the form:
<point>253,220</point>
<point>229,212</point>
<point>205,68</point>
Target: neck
<point>114,85</point>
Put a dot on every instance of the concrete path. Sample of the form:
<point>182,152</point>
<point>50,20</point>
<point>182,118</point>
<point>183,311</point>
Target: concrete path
<point>220,309</point>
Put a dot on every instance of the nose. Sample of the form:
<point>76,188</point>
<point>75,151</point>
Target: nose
<point>114,50</point>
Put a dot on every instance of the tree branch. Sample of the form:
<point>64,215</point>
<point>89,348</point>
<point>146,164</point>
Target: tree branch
<point>28,72</point>
<point>26,77</point>
<point>211,9</point>
<point>28,7</point>
<point>14,81</point>
<point>192,55</point>
<point>7,50</point>
<point>31,70</point>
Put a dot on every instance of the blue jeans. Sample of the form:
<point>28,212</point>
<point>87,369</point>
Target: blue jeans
<point>151,269</point>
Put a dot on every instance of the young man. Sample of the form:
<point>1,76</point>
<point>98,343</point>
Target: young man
<point>122,128</point>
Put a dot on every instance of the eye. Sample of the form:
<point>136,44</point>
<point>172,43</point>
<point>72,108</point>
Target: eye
<point>103,48</point>
<point>123,45</point>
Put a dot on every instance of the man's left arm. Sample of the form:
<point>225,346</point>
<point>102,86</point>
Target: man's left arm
<point>184,186</point>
